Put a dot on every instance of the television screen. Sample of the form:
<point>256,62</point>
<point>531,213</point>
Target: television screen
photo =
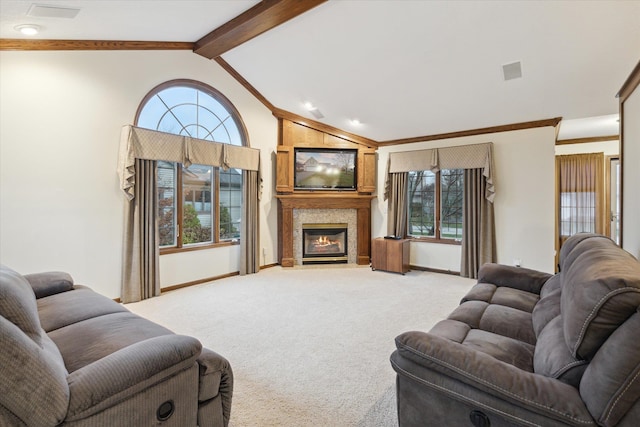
<point>325,169</point>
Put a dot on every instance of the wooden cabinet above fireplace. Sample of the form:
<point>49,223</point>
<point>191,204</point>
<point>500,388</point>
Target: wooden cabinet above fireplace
<point>294,135</point>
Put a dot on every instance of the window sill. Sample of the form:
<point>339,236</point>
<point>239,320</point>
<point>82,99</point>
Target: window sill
<point>434,240</point>
<point>167,251</point>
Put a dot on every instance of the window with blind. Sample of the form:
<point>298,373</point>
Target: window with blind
<point>580,194</point>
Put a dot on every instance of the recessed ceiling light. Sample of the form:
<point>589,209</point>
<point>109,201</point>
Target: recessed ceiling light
<point>28,29</point>
<point>355,122</point>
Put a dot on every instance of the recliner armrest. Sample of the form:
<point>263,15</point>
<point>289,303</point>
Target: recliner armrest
<point>101,384</point>
<point>461,371</point>
<point>524,279</point>
<point>216,378</point>
<point>49,283</point>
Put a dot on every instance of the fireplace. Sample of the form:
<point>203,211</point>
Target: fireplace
<point>324,243</point>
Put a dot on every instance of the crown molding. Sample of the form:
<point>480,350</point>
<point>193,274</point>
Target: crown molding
<point>22,44</point>
<point>589,139</point>
<point>472,132</point>
<point>630,84</point>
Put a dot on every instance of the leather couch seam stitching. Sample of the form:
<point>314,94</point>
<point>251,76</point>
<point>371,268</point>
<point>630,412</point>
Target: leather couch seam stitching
<point>595,309</point>
<point>620,395</point>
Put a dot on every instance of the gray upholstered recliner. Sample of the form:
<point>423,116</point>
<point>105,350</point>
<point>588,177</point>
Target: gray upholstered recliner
<point>528,348</point>
<point>72,357</point>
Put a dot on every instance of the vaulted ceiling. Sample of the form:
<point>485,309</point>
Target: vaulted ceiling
<point>404,69</point>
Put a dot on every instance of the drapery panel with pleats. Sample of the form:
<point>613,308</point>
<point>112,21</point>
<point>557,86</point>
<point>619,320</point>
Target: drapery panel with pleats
<point>139,151</point>
<point>140,254</point>
<point>478,230</point>
<point>478,241</point>
<point>580,193</point>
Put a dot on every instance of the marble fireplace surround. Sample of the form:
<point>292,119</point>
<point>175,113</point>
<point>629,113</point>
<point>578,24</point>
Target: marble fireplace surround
<point>297,209</point>
<point>325,216</point>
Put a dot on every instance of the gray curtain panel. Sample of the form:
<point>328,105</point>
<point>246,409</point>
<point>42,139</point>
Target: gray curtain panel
<point>140,261</point>
<point>479,236</point>
<point>139,151</point>
<point>397,207</point>
<point>250,224</point>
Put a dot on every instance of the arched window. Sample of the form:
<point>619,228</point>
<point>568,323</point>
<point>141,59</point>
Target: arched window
<point>198,205</point>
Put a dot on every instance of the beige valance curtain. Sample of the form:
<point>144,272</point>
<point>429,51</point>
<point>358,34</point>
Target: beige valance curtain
<point>472,156</point>
<point>140,149</point>
<point>139,143</point>
<point>478,241</point>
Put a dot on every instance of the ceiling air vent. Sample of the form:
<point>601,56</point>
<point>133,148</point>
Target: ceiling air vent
<point>512,71</point>
<point>45,11</point>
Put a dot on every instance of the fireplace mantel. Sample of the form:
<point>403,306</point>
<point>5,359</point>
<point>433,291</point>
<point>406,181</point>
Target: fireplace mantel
<point>323,200</point>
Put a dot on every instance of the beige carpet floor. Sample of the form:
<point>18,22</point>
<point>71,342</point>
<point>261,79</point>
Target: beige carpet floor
<point>309,346</point>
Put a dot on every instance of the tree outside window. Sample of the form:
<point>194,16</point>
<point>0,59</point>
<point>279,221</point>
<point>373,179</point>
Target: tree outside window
<point>435,204</point>
<point>198,205</point>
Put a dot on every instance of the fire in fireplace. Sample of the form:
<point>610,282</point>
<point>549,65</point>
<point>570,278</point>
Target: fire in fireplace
<point>324,243</point>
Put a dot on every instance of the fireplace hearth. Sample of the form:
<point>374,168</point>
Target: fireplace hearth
<point>324,243</point>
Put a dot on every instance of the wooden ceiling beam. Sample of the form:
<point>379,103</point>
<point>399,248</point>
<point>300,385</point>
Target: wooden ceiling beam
<point>262,17</point>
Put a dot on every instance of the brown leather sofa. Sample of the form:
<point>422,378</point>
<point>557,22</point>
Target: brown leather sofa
<point>72,357</point>
<point>527,348</point>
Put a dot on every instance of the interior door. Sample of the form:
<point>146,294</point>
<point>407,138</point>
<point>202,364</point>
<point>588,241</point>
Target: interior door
<point>613,200</point>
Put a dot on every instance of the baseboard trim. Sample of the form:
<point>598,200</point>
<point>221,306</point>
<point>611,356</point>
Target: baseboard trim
<point>197,282</point>
<point>275,264</point>
<point>434,270</point>
<point>209,279</point>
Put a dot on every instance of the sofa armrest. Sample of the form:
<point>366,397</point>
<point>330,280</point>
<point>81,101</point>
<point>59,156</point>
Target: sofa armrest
<point>216,378</point>
<point>520,278</point>
<point>49,283</point>
<point>101,384</point>
<point>460,371</point>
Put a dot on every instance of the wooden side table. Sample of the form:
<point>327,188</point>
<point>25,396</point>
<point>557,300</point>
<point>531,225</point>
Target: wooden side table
<point>390,255</point>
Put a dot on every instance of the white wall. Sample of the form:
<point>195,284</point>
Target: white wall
<point>631,175</point>
<point>524,202</point>
<point>608,148</point>
<point>60,120</point>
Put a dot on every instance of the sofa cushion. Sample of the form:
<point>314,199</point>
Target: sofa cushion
<point>547,309</point>
<point>551,285</point>
<point>18,303</point>
<point>610,386</point>
<point>45,284</point>
<point>102,335</point>
<point>502,295</point>
<point>82,303</point>
<point>600,290</point>
<point>505,349</point>
<point>497,319</point>
<point>552,357</point>
<point>509,276</point>
<point>570,244</point>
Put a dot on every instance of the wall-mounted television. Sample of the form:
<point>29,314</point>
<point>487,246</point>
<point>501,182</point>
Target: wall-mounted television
<point>325,169</point>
